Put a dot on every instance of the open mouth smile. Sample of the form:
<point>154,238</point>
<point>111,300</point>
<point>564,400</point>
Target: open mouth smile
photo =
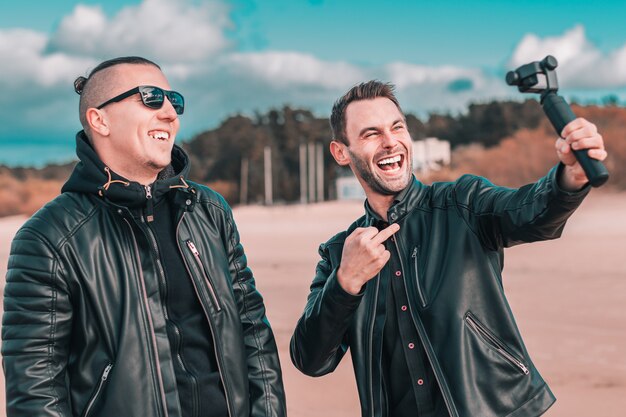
<point>391,164</point>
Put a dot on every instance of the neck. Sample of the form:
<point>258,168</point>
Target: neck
<point>380,203</point>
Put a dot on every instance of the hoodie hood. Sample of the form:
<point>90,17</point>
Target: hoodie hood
<point>92,176</point>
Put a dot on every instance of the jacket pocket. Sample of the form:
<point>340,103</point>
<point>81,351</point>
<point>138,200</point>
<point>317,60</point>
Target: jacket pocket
<point>200,265</point>
<point>99,388</point>
<point>416,273</point>
<point>494,343</point>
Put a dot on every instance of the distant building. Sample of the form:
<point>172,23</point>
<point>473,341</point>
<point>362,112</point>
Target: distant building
<point>430,154</point>
<point>349,188</point>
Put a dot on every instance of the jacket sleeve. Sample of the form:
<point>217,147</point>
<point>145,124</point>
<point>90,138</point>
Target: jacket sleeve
<point>35,330</point>
<point>503,217</point>
<point>267,395</point>
<point>320,339</point>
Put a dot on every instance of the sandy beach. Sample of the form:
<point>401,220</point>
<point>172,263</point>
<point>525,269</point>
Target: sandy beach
<point>568,297</point>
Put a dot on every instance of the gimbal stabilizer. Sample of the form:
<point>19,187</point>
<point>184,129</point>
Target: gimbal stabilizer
<point>540,77</point>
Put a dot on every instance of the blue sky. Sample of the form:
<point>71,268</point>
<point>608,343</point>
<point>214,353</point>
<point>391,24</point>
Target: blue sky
<point>242,56</point>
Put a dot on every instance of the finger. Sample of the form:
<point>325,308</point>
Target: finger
<point>360,231</point>
<point>599,154</point>
<point>564,152</point>
<point>386,233</point>
<point>562,147</point>
<point>575,124</point>
<point>384,258</point>
<point>368,234</point>
<point>584,132</point>
<point>594,142</point>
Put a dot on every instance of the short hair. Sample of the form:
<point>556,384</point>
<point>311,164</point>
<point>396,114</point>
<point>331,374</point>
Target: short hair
<point>92,88</point>
<point>364,91</point>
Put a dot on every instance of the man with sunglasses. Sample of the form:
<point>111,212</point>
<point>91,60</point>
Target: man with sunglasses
<point>129,294</point>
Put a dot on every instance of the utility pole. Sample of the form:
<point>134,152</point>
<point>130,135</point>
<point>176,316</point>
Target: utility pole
<point>303,179</point>
<point>311,153</point>
<point>319,168</point>
<point>243,188</point>
<point>267,159</point>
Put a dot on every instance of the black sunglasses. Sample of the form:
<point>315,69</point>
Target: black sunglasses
<point>152,97</point>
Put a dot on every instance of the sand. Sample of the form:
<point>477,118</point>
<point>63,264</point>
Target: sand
<point>568,296</point>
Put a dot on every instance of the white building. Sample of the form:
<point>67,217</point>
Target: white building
<point>430,154</point>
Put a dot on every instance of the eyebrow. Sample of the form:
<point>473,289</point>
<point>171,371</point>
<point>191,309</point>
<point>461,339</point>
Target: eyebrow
<point>374,128</point>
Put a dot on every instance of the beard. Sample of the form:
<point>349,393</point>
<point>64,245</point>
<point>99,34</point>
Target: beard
<point>377,184</point>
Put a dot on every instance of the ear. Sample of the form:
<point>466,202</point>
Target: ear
<point>97,121</point>
<point>339,151</point>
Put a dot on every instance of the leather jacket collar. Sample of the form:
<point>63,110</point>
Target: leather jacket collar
<point>92,176</point>
<point>404,202</point>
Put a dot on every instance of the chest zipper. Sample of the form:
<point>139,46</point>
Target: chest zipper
<point>149,204</point>
<point>200,266</point>
<point>420,292</point>
<point>96,394</point>
<point>214,334</point>
<point>495,344</point>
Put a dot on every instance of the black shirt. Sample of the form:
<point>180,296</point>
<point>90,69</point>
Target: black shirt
<point>408,379</point>
<point>198,381</point>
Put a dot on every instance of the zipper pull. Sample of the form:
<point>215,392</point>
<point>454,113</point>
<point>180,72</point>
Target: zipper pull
<point>150,205</point>
<point>414,254</point>
<point>105,375</point>
<point>192,247</point>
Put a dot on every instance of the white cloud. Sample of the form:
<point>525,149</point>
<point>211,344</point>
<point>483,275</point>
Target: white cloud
<point>286,69</point>
<point>581,64</point>
<point>24,61</point>
<point>406,75</point>
<point>166,31</point>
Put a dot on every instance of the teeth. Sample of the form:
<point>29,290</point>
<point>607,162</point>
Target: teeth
<point>159,135</point>
<point>389,160</point>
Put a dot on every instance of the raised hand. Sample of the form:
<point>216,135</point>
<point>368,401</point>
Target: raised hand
<point>363,256</point>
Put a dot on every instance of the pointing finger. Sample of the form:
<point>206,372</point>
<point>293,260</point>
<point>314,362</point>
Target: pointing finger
<point>386,233</point>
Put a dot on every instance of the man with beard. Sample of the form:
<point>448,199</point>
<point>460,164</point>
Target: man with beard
<point>414,288</point>
<point>130,294</point>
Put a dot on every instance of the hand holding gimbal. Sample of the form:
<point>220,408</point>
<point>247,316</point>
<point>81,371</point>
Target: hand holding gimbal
<point>540,77</point>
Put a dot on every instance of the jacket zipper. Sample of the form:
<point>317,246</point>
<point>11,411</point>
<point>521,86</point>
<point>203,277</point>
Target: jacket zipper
<point>150,204</point>
<point>417,277</point>
<point>200,265</point>
<point>96,394</point>
<point>420,331</point>
<point>164,290</point>
<point>213,333</point>
<point>371,343</point>
<point>152,334</point>
<point>494,343</point>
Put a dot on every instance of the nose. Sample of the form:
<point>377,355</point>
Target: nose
<point>388,140</point>
<point>167,112</point>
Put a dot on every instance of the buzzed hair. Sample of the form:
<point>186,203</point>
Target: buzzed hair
<point>93,88</point>
<point>365,91</point>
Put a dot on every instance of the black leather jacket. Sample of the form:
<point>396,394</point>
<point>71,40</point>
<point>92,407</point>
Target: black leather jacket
<point>84,328</point>
<point>450,244</point>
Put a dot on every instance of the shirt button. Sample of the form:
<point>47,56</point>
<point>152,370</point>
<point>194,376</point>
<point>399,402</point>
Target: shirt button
<point>404,308</point>
<point>411,345</point>
<point>420,381</point>
<point>398,273</point>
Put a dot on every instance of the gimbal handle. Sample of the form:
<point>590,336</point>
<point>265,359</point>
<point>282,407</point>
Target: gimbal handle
<point>560,114</point>
<point>540,77</point>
